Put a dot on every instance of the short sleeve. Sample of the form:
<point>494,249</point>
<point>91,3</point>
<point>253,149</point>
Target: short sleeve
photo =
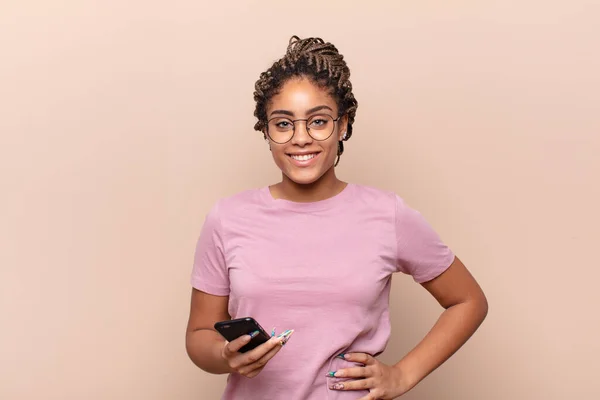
<point>209,273</point>
<point>420,251</point>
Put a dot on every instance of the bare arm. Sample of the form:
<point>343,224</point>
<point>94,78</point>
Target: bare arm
<point>203,343</point>
<point>211,352</point>
<point>465,309</point>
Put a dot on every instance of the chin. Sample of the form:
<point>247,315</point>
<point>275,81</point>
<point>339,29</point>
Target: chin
<point>303,178</point>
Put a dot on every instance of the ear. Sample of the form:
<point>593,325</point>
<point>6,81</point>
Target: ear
<point>342,126</point>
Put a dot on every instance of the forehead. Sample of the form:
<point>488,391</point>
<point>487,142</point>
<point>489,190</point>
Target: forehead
<point>300,94</point>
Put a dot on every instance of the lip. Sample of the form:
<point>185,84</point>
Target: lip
<point>302,153</point>
<point>306,163</point>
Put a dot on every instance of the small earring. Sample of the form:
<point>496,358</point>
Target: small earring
<point>345,135</point>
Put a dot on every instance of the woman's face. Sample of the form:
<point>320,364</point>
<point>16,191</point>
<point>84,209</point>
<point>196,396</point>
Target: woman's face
<point>303,159</point>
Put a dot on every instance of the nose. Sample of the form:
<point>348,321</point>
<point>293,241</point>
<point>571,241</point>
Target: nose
<point>301,136</point>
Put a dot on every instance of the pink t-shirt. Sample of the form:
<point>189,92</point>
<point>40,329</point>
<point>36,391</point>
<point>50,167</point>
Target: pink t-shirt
<point>321,268</point>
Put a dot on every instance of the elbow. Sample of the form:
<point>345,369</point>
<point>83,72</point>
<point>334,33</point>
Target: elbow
<point>476,307</point>
<point>481,307</point>
<point>193,350</point>
<point>189,347</point>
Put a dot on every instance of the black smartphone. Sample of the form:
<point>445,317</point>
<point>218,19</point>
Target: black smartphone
<point>235,328</point>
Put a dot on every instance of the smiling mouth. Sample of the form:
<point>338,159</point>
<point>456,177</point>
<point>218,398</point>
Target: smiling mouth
<point>303,157</point>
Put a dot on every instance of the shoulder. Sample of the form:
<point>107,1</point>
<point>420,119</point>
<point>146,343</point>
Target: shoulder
<point>241,203</point>
<point>384,201</point>
<point>376,197</point>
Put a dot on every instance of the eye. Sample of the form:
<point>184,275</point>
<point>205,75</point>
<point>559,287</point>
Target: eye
<point>319,122</point>
<point>282,124</point>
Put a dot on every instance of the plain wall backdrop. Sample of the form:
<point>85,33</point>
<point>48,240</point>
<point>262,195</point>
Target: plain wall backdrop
<point>123,121</point>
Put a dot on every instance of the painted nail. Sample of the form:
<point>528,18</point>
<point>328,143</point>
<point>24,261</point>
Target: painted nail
<point>273,332</point>
<point>254,334</point>
<point>286,333</point>
<point>331,374</point>
<point>337,386</point>
<point>341,355</point>
<point>287,337</point>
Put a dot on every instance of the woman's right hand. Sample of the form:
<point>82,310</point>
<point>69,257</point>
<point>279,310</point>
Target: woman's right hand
<point>252,362</point>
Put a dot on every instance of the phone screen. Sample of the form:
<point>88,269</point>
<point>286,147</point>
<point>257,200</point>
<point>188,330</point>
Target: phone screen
<point>235,328</point>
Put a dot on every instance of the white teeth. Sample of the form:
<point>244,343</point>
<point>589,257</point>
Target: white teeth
<point>303,157</point>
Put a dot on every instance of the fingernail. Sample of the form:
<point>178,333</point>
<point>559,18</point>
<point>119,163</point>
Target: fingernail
<point>273,332</point>
<point>341,355</point>
<point>287,337</point>
<point>331,374</point>
<point>337,386</point>
<point>286,333</point>
<point>254,334</point>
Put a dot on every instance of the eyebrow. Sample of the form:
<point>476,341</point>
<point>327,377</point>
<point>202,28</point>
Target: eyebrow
<point>310,111</point>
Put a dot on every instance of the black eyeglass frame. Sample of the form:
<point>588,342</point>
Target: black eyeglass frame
<point>293,121</point>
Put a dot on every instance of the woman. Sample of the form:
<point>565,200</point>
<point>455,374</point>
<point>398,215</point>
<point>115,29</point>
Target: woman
<point>315,254</point>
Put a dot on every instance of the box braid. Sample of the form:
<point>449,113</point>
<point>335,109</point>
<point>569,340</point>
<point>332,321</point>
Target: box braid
<point>314,59</point>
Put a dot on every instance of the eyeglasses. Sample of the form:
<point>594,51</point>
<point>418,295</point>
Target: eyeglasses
<point>320,127</point>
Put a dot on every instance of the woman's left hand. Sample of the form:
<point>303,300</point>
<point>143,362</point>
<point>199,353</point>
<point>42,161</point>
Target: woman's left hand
<point>382,381</point>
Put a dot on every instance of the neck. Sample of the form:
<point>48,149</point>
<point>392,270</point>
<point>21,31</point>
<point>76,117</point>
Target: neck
<point>325,187</point>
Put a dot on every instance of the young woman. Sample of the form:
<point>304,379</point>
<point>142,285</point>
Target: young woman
<point>315,254</point>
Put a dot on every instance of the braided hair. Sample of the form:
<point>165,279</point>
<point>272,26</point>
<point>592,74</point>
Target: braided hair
<point>322,64</point>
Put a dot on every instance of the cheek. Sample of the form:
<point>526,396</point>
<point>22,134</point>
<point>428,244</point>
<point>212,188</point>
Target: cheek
<point>332,149</point>
<point>278,155</point>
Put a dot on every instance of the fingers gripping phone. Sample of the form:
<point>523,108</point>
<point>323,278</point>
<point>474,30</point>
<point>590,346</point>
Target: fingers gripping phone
<point>235,328</point>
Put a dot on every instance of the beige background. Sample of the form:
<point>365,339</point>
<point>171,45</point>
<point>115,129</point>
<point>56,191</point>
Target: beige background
<point>123,121</point>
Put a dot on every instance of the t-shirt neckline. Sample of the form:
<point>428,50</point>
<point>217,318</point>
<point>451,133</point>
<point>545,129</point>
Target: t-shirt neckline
<point>325,204</point>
